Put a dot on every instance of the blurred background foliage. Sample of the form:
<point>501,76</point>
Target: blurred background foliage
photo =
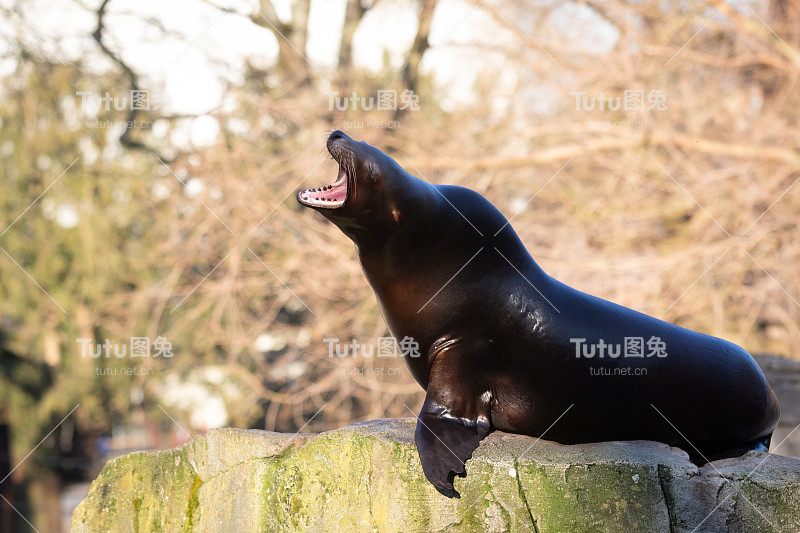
<point>687,213</point>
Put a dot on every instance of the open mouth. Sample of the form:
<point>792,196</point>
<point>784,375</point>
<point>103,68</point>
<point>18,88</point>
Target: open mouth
<point>330,196</point>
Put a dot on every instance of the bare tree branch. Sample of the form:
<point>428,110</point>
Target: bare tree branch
<point>133,113</point>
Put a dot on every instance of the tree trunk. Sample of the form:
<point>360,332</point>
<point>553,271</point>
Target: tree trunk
<point>352,18</point>
<point>293,67</point>
<point>418,49</point>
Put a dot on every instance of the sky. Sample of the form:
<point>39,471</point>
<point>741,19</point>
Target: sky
<point>212,45</point>
<point>191,80</point>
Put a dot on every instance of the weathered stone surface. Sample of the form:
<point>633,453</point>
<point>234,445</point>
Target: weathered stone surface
<point>784,376</point>
<point>367,477</point>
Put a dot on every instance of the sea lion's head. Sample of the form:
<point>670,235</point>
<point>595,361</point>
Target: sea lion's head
<point>367,198</point>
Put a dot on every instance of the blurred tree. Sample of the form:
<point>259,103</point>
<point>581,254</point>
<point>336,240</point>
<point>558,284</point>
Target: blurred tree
<point>70,244</point>
<point>687,211</point>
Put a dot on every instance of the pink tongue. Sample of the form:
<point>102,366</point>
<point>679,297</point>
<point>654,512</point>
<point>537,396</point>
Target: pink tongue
<point>337,193</point>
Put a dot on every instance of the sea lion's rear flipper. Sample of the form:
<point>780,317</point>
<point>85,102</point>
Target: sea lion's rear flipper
<point>761,444</point>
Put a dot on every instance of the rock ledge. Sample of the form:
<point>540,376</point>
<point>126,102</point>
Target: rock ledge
<point>367,477</point>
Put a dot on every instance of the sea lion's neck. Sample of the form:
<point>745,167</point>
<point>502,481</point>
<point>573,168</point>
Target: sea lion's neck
<point>442,231</point>
<point>393,250</point>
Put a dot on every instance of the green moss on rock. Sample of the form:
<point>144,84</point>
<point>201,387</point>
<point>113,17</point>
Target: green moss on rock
<point>367,477</point>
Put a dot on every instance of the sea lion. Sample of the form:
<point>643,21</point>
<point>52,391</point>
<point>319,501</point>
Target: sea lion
<point>505,346</point>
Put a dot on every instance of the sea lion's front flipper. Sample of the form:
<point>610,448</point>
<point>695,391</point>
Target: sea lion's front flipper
<point>445,442</point>
<point>452,422</point>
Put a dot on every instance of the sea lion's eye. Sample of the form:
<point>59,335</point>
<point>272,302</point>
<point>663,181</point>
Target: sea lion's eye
<point>373,171</point>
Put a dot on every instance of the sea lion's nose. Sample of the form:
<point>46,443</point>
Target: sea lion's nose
<point>338,134</point>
